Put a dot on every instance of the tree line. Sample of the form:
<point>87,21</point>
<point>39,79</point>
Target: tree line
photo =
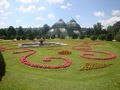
<point>23,33</point>
<point>97,32</point>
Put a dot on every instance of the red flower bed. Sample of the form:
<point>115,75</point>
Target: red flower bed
<point>88,49</point>
<point>65,52</point>
<point>23,59</point>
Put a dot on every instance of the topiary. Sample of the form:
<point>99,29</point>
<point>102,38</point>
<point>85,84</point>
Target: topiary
<point>117,37</point>
<point>102,37</point>
<point>74,36</point>
<point>109,37</point>
<point>94,37</point>
<point>23,38</point>
<point>81,37</point>
<point>62,37</point>
<point>18,38</point>
<point>53,37</point>
<point>2,66</point>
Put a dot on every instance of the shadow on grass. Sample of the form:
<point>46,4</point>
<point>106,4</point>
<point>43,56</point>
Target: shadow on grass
<point>2,66</point>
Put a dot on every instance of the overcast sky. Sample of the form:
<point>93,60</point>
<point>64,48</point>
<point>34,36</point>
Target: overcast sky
<point>36,13</point>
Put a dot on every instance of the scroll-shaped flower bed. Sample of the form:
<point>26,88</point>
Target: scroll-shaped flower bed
<point>86,47</point>
<point>24,60</point>
<point>65,52</point>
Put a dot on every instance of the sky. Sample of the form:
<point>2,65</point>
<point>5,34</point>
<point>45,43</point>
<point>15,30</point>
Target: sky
<point>36,13</point>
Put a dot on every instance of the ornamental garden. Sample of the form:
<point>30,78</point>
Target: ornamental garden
<point>84,46</point>
<point>65,56</point>
<point>71,63</point>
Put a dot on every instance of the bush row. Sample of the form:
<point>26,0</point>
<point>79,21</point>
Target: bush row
<point>107,37</point>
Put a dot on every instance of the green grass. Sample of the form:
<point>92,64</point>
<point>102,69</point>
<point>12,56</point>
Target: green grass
<point>22,77</point>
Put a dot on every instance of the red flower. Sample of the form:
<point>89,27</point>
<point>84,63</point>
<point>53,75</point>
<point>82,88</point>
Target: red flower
<point>65,52</point>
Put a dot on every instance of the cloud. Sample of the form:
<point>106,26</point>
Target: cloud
<point>116,12</point>
<point>99,14</point>
<point>4,4</point>
<point>68,5</point>
<point>86,26</point>
<point>27,1</point>
<point>55,1</point>
<point>31,9</point>
<point>77,16</point>
<point>40,18</point>
<point>110,21</point>
<point>19,20</point>
<point>5,13</point>
<point>51,16</point>
<point>2,24</point>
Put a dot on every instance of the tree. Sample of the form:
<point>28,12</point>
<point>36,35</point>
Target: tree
<point>18,38</point>
<point>93,37</point>
<point>20,31</point>
<point>46,28</point>
<point>102,37</point>
<point>81,36</point>
<point>97,28</point>
<point>75,36</point>
<point>11,32</point>
<point>31,37</point>
<point>109,37</point>
<point>117,37</point>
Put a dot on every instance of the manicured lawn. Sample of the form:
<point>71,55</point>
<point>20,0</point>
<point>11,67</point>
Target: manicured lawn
<point>22,77</point>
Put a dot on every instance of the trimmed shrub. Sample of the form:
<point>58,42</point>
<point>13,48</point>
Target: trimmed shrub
<point>102,37</point>
<point>31,37</point>
<point>18,38</point>
<point>2,66</point>
<point>62,37</point>
<point>109,37</point>
<point>23,38</point>
<point>94,37</point>
<point>53,37</point>
<point>117,38</point>
<point>75,36</point>
<point>46,37</point>
<point>81,37</point>
<point>3,37</point>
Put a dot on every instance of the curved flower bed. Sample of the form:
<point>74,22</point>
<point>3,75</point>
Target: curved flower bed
<point>93,65</point>
<point>24,60</point>
<point>65,52</point>
<point>88,49</point>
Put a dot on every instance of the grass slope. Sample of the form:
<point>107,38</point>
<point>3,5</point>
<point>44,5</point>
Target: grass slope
<point>22,77</point>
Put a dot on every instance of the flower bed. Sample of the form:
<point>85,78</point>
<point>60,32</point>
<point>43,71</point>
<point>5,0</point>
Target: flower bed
<point>86,47</point>
<point>65,52</point>
<point>23,59</point>
<point>92,65</point>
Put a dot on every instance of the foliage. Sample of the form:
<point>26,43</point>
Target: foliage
<point>11,32</point>
<point>23,38</point>
<point>102,37</point>
<point>81,36</point>
<point>53,37</point>
<point>31,37</point>
<point>75,36</point>
<point>109,37</point>
<point>2,66</point>
<point>20,31</point>
<point>97,28</point>
<point>18,38</point>
<point>62,37</point>
<point>93,37</point>
<point>117,37</point>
